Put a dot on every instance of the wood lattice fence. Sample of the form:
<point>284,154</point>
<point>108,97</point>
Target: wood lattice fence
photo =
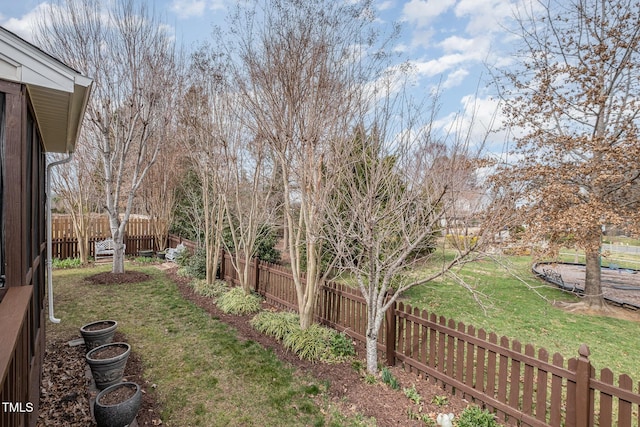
<point>525,388</point>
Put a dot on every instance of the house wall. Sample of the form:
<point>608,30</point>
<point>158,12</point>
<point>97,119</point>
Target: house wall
<point>22,235</point>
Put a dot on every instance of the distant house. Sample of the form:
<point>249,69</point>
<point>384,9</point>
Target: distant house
<point>42,102</point>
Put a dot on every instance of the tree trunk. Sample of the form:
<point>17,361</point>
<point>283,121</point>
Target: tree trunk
<point>593,297</point>
<point>307,298</point>
<point>118,256</point>
<point>372,352</point>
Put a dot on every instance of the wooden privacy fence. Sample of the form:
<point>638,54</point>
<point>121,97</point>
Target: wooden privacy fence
<point>522,387</point>
<point>138,236</point>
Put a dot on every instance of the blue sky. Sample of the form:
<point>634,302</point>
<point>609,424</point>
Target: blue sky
<point>448,42</point>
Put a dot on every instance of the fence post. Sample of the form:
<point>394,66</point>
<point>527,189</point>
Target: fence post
<point>583,375</point>
<point>256,274</point>
<point>390,333</point>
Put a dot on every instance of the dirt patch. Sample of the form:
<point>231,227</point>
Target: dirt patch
<point>109,278</point>
<point>347,387</point>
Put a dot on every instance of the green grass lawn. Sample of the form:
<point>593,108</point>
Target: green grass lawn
<point>204,375</point>
<point>519,306</point>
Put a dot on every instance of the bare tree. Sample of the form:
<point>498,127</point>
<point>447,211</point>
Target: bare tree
<point>204,120</point>
<point>399,195</point>
<point>159,193</point>
<point>573,104</point>
<point>301,72</point>
<point>247,201</point>
<point>131,57</point>
<point>75,186</point>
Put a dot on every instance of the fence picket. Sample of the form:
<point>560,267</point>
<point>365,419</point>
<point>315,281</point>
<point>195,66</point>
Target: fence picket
<point>470,362</point>
<point>415,336</point>
<point>542,386</point>
<point>481,363</point>
<point>624,406</point>
<point>514,379</point>
<point>460,347</point>
<point>606,400</point>
<point>451,342</point>
<point>528,385</point>
<point>556,392</point>
<point>503,375</point>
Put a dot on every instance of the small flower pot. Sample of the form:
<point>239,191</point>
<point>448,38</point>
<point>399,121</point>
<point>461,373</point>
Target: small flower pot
<point>161,255</point>
<point>117,405</point>
<point>148,253</point>
<point>98,333</point>
<point>107,363</point>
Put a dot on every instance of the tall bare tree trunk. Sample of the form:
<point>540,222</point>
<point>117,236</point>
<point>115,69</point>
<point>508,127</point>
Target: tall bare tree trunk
<point>593,297</point>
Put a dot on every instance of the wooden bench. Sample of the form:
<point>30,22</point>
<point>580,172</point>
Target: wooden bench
<point>172,253</point>
<point>105,248</point>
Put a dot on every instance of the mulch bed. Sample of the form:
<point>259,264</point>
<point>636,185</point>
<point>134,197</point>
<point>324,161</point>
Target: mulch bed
<point>65,396</point>
<point>347,389</point>
<point>65,387</point>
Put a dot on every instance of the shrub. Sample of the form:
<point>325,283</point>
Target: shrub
<point>213,290</point>
<point>276,324</point>
<point>266,245</point>
<point>183,257</point>
<point>341,346</point>
<point>460,241</point>
<point>474,416</point>
<point>311,343</point>
<point>197,264</point>
<point>66,263</point>
<point>236,301</point>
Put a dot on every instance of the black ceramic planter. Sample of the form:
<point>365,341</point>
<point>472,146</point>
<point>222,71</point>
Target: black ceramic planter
<point>117,414</point>
<point>98,333</point>
<point>108,371</point>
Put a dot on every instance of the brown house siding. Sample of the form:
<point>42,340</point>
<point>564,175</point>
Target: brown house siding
<point>22,337</point>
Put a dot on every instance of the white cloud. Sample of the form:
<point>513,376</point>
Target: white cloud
<point>195,8</point>
<point>479,120</point>
<point>25,25</point>
<point>385,5</point>
<point>485,16</point>
<point>423,12</point>
<point>438,66</point>
<point>455,79</point>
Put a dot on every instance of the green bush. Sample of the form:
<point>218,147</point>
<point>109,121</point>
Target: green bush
<point>197,264</point>
<point>266,245</point>
<point>66,263</point>
<point>311,343</point>
<point>341,346</point>
<point>213,290</point>
<point>236,301</point>
<point>276,324</point>
<point>183,257</point>
<point>474,416</point>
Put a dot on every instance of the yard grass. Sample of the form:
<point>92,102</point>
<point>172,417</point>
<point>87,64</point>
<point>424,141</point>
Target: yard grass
<point>514,309</point>
<point>204,375</point>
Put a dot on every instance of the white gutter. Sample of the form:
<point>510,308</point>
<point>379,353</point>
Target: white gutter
<point>50,166</point>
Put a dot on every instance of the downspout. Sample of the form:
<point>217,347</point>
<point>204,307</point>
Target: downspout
<point>50,166</point>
